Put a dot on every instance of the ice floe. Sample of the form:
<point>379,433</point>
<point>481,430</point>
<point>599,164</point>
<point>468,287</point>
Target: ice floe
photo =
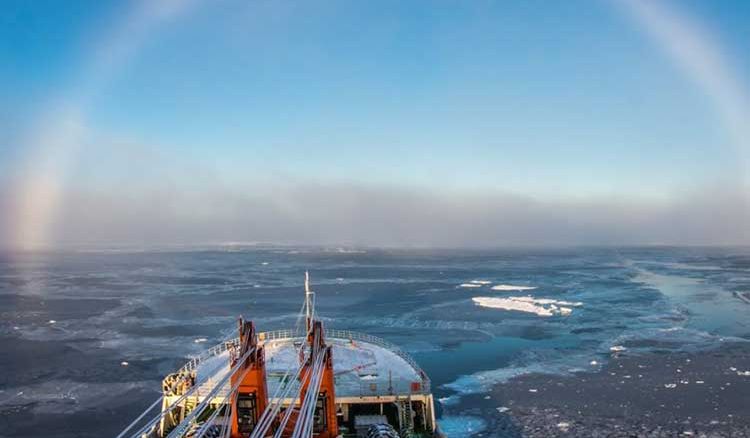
<point>449,401</point>
<point>539,306</point>
<point>481,282</point>
<point>469,285</point>
<point>461,426</point>
<point>510,287</point>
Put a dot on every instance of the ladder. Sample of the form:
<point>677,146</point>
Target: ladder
<point>406,418</point>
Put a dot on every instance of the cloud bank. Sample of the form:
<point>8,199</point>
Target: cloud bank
<point>355,214</point>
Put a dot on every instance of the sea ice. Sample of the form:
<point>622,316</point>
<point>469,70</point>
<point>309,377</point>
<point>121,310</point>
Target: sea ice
<point>461,426</point>
<point>469,285</point>
<point>541,306</point>
<point>617,348</point>
<point>482,282</point>
<point>448,401</point>
<point>510,287</point>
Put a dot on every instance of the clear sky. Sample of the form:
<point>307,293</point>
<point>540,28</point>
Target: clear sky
<point>563,104</point>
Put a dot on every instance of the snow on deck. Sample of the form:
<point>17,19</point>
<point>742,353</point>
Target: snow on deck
<point>360,368</point>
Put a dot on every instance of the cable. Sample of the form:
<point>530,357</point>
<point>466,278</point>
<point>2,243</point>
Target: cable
<point>201,406</point>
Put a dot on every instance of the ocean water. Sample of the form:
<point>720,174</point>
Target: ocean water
<point>68,320</point>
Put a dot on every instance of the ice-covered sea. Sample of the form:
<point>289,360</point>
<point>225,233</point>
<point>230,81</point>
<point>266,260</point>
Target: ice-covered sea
<point>86,336</point>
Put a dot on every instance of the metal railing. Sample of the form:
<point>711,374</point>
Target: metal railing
<point>349,335</point>
<point>355,336</point>
<point>216,350</point>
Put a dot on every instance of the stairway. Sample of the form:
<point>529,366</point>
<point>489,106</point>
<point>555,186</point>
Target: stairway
<point>406,419</point>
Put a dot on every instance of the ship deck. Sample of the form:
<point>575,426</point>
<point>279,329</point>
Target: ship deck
<point>364,366</point>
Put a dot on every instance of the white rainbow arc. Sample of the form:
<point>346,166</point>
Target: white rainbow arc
<point>700,58</point>
<point>57,136</point>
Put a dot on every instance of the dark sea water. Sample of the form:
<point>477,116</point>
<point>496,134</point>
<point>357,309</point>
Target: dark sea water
<point>69,320</point>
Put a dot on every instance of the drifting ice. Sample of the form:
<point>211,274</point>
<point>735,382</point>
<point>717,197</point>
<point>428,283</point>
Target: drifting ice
<point>510,287</point>
<point>541,307</point>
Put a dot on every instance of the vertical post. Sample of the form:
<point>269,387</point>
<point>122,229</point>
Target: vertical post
<point>309,302</point>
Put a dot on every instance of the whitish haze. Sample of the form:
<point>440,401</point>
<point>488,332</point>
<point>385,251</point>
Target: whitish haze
<point>428,123</point>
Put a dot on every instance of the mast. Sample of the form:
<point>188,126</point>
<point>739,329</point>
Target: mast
<point>309,302</point>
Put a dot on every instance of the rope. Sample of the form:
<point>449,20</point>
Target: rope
<point>207,399</point>
<point>192,390</point>
<point>283,390</point>
<point>161,398</point>
<point>305,422</point>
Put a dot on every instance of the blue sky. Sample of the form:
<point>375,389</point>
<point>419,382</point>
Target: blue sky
<point>551,100</point>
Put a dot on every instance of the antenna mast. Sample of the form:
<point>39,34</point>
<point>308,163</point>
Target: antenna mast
<point>309,301</point>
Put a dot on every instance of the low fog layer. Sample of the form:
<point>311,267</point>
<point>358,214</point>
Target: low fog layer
<point>381,216</point>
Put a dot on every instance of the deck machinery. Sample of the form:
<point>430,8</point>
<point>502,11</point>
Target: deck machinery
<point>293,383</point>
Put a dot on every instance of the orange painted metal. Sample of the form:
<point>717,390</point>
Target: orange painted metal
<point>252,395</point>
<point>328,428</point>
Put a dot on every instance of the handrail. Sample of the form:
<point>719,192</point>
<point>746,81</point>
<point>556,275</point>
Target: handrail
<point>207,354</point>
<point>218,349</point>
<point>350,335</point>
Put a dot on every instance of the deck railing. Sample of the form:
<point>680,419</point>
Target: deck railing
<point>356,336</point>
<point>218,349</point>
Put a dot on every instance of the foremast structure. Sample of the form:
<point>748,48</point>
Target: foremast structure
<point>225,391</point>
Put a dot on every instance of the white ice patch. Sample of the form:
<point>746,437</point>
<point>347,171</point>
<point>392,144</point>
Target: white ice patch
<point>62,397</point>
<point>538,306</point>
<point>481,282</point>
<point>469,285</point>
<point>483,381</point>
<point>461,426</point>
<point>510,287</point>
<point>449,401</point>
